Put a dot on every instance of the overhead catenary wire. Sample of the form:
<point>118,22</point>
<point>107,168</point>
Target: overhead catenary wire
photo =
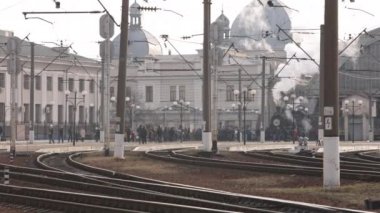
<point>50,63</point>
<point>105,9</point>
<point>299,46</point>
<point>166,39</point>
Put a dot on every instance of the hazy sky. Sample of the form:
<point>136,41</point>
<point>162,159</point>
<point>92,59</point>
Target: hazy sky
<point>83,32</point>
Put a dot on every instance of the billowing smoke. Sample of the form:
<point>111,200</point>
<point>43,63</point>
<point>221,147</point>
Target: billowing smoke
<point>256,27</point>
<point>289,115</point>
<point>290,76</point>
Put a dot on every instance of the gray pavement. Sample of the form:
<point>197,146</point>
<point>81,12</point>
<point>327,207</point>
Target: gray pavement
<point>87,145</point>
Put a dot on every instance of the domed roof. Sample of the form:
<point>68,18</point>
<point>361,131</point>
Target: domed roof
<point>133,10</point>
<point>140,44</point>
<point>258,23</point>
<point>223,20</point>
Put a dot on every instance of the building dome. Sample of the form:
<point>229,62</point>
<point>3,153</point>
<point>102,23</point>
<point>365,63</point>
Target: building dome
<point>140,42</point>
<point>220,29</point>
<point>134,9</point>
<point>223,20</point>
<point>256,27</point>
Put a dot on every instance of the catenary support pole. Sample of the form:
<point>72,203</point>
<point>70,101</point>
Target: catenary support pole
<point>262,123</point>
<point>244,119</point>
<point>321,86</point>
<point>102,102</point>
<point>331,163</point>
<point>31,93</point>
<point>106,82</point>
<point>74,121</point>
<point>122,77</point>
<point>240,107</point>
<point>14,43</point>
<point>207,135</point>
<point>215,100</point>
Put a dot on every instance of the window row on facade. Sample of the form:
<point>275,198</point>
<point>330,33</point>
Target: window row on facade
<point>70,83</point>
<point>84,114</point>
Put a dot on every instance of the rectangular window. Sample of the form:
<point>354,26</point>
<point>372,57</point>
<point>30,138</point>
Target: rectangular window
<point>182,93</point>
<point>26,113</point>
<point>71,114</point>
<point>49,83</point>
<point>2,112</point>
<point>91,112</point>
<point>81,85</point>
<point>60,84</point>
<point>112,91</point>
<point>38,113</point>
<point>60,114</point>
<point>26,81</point>
<point>49,113</point>
<point>92,86</point>
<point>128,92</point>
<point>249,96</point>
<point>81,114</point>
<point>149,94</point>
<point>173,93</point>
<point>37,82</point>
<point>2,80</point>
<point>230,93</point>
<point>71,84</point>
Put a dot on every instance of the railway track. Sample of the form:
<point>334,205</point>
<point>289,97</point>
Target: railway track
<point>124,196</point>
<point>352,162</point>
<point>356,171</point>
<point>118,192</point>
<point>373,156</point>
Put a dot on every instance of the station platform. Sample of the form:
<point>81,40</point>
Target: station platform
<point>89,145</point>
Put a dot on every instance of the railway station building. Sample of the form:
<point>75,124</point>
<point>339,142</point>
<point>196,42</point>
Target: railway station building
<point>163,88</point>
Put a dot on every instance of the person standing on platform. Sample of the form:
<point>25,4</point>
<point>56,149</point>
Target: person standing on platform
<point>60,135</point>
<point>70,133</point>
<point>97,134</point>
<point>144,133</point>
<point>82,133</point>
<point>51,134</point>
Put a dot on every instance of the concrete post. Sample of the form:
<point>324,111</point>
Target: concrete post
<point>331,161</point>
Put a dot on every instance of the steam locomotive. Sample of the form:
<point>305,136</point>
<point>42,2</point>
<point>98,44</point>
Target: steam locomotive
<point>286,125</point>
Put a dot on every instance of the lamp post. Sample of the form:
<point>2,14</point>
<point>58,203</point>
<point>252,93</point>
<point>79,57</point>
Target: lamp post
<point>238,96</point>
<point>131,106</point>
<point>166,108</point>
<point>128,106</point>
<point>181,103</point>
<point>307,116</point>
<point>353,104</point>
<point>75,104</point>
<point>246,93</point>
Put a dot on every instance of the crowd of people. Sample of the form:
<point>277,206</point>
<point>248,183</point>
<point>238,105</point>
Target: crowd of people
<point>71,136</point>
<point>151,133</point>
